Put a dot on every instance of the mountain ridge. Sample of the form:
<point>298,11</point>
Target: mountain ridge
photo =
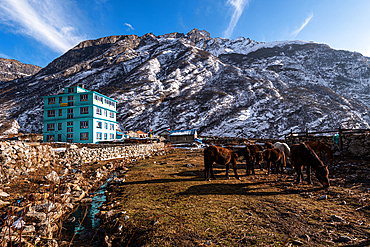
<point>222,87</point>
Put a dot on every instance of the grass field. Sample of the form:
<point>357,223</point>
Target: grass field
<point>169,204</point>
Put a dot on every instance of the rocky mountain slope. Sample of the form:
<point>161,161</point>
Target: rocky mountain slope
<point>11,69</point>
<point>219,86</point>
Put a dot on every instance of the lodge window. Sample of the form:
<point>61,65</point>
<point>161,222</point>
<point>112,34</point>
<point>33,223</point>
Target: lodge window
<point>98,135</point>
<point>84,136</point>
<point>70,103</point>
<point>60,112</point>
<point>60,99</point>
<point>70,129</point>
<point>59,137</point>
<point>83,97</point>
<point>70,140</point>
<point>111,127</point>
<point>50,138</point>
<point>98,125</point>
<point>70,136</point>
<point>51,127</point>
<point>98,98</point>
<point>105,136</point>
<point>111,136</point>
<point>51,113</point>
<point>98,111</point>
<point>84,110</point>
<point>106,113</point>
<point>69,123</point>
<point>70,98</point>
<point>70,113</point>
<point>70,90</point>
<point>111,114</point>
<point>59,126</point>
<point>106,125</point>
<point>84,124</point>
<point>51,101</point>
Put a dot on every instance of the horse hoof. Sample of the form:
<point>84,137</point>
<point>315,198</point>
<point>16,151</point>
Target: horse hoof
<point>209,180</point>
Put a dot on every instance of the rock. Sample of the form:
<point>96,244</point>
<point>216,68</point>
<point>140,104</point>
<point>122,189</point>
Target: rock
<point>53,177</point>
<point>155,222</point>
<point>3,194</point>
<point>190,165</point>
<point>343,239</point>
<point>125,217</point>
<point>208,242</point>
<point>86,200</point>
<point>78,195</point>
<point>3,203</point>
<point>63,172</point>
<point>34,216</point>
<point>336,218</point>
<point>249,214</point>
<point>297,242</point>
<point>28,229</point>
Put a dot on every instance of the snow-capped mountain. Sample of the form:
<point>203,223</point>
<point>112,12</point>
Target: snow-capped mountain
<point>11,69</point>
<point>219,86</point>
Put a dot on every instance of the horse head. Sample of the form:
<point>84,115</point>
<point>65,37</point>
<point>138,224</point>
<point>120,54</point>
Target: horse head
<point>322,174</point>
<point>259,157</point>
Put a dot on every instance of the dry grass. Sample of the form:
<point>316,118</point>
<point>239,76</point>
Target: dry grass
<point>170,204</point>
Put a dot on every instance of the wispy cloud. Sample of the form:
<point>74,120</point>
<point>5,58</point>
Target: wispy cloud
<point>238,6</point>
<point>129,27</point>
<point>304,24</point>
<point>49,22</point>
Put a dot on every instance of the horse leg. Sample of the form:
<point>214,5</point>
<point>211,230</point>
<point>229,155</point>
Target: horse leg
<point>234,168</point>
<point>227,170</point>
<point>211,172</point>
<point>298,169</point>
<point>252,166</point>
<point>247,167</point>
<point>309,181</point>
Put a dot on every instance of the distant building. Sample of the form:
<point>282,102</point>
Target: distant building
<point>142,134</point>
<point>183,136</point>
<point>79,115</point>
<point>165,134</point>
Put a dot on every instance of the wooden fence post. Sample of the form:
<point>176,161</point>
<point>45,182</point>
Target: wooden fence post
<point>340,139</point>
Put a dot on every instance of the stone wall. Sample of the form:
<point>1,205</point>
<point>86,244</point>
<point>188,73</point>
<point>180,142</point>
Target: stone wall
<point>353,144</point>
<point>26,154</point>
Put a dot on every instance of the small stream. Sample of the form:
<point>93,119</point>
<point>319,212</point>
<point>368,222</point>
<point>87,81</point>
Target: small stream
<point>86,233</point>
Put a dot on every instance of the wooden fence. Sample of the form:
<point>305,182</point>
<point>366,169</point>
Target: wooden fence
<point>289,138</point>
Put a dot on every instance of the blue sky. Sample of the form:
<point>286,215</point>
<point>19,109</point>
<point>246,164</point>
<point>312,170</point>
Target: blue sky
<point>38,31</point>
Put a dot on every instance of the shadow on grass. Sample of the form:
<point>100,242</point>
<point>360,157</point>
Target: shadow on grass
<point>242,189</point>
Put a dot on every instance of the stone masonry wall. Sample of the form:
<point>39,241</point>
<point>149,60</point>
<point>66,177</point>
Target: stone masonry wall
<point>26,154</point>
<point>353,144</point>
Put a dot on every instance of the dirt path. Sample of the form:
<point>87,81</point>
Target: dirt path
<point>165,201</point>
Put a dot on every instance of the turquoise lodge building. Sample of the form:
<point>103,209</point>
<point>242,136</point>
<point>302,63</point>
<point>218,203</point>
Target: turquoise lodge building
<point>80,116</point>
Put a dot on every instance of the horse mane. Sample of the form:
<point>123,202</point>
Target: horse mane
<point>326,149</point>
<point>312,158</point>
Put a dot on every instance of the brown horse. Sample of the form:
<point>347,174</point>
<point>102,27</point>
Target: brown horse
<point>221,156</point>
<point>272,155</point>
<point>249,153</point>
<point>303,155</point>
<point>319,147</point>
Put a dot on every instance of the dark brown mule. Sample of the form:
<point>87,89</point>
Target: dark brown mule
<point>303,155</point>
<point>319,147</point>
<point>272,155</point>
<point>221,156</point>
<point>249,153</point>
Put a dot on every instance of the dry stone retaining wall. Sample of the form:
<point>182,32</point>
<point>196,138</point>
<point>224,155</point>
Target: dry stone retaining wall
<point>353,144</point>
<point>29,155</point>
